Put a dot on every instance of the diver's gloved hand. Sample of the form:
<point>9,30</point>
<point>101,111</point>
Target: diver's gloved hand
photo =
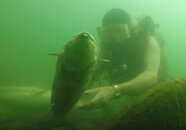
<point>102,96</point>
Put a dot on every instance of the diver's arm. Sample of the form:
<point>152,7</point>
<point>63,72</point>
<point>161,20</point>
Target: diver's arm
<point>149,76</point>
<point>134,86</point>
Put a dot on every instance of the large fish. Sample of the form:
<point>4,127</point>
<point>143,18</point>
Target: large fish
<point>74,68</point>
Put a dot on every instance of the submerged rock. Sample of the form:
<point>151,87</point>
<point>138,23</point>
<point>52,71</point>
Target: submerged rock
<point>162,107</point>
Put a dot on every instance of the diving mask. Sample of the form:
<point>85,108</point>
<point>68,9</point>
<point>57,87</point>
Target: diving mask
<point>118,31</point>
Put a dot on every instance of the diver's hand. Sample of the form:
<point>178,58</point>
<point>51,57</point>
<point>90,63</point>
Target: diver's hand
<point>102,96</point>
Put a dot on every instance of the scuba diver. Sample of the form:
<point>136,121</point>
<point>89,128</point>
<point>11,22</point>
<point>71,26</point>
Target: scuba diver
<point>130,58</point>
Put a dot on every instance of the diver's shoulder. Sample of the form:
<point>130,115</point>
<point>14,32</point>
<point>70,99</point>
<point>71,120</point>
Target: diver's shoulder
<point>153,43</point>
<point>152,39</point>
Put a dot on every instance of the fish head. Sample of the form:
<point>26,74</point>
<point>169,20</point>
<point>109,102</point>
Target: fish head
<point>80,53</point>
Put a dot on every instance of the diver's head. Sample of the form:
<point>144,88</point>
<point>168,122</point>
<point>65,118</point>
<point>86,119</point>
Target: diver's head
<point>116,16</point>
<point>115,26</point>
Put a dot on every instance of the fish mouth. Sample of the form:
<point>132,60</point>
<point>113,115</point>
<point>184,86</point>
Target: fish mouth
<point>84,36</point>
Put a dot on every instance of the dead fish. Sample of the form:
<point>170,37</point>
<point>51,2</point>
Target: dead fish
<point>74,68</point>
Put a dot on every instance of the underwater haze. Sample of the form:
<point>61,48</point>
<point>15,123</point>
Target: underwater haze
<point>30,29</point>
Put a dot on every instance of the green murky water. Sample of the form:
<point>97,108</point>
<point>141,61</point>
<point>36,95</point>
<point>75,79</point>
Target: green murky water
<point>30,29</point>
